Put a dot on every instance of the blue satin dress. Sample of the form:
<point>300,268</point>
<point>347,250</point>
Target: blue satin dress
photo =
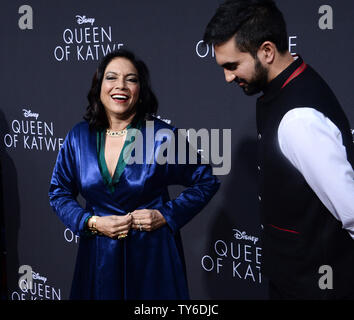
<point>145,265</point>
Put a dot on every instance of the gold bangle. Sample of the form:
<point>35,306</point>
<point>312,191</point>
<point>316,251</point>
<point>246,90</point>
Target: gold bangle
<point>93,228</point>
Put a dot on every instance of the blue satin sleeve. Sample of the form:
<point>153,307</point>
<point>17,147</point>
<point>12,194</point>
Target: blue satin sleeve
<point>64,187</point>
<point>201,186</point>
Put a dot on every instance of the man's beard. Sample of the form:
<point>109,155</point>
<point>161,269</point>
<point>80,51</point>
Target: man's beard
<point>258,81</point>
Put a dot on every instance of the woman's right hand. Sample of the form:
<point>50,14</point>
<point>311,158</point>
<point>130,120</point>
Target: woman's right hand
<point>114,226</point>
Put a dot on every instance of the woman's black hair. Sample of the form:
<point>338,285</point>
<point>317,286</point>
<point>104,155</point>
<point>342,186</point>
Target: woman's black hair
<point>147,102</point>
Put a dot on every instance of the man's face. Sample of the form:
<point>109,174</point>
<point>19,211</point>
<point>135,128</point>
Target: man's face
<point>241,67</point>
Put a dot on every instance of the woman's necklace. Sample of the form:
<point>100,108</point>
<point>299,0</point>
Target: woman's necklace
<point>116,133</point>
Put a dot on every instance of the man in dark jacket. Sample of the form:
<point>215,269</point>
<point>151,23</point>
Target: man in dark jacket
<point>305,154</point>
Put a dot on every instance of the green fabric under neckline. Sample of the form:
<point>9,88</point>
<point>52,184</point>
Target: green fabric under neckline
<point>110,181</point>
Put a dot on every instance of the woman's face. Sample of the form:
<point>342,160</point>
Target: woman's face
<point>120,88</point>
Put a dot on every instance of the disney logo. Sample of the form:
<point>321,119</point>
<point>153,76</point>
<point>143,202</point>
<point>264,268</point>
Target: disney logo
<point>36,276</point>
<point>30,114</point>
<point>83,19</point>
<point>243,236</point>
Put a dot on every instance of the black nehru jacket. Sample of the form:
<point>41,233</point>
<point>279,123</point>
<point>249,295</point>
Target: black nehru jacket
<point>299,233</point>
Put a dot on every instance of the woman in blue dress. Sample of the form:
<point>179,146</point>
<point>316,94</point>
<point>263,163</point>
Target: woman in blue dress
<point>130,244</point>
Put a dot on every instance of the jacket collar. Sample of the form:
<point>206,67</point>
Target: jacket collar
<point>275,86</point>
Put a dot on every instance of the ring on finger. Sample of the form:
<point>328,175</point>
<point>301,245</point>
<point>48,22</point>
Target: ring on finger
<point>140,227</point>
<point>122,235</point>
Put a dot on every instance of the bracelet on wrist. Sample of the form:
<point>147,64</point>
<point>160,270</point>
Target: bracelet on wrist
<point>92,220</point>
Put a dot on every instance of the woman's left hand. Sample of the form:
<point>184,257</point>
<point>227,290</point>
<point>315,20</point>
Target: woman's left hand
<point>147,219</point>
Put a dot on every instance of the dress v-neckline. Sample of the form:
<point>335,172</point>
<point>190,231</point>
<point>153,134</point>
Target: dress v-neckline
<point>109,181</point>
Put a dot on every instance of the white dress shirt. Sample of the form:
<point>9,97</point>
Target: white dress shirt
<point>313,144</point>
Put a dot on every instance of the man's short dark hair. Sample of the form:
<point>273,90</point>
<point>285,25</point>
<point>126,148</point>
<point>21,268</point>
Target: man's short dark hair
<point>253,22</point>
